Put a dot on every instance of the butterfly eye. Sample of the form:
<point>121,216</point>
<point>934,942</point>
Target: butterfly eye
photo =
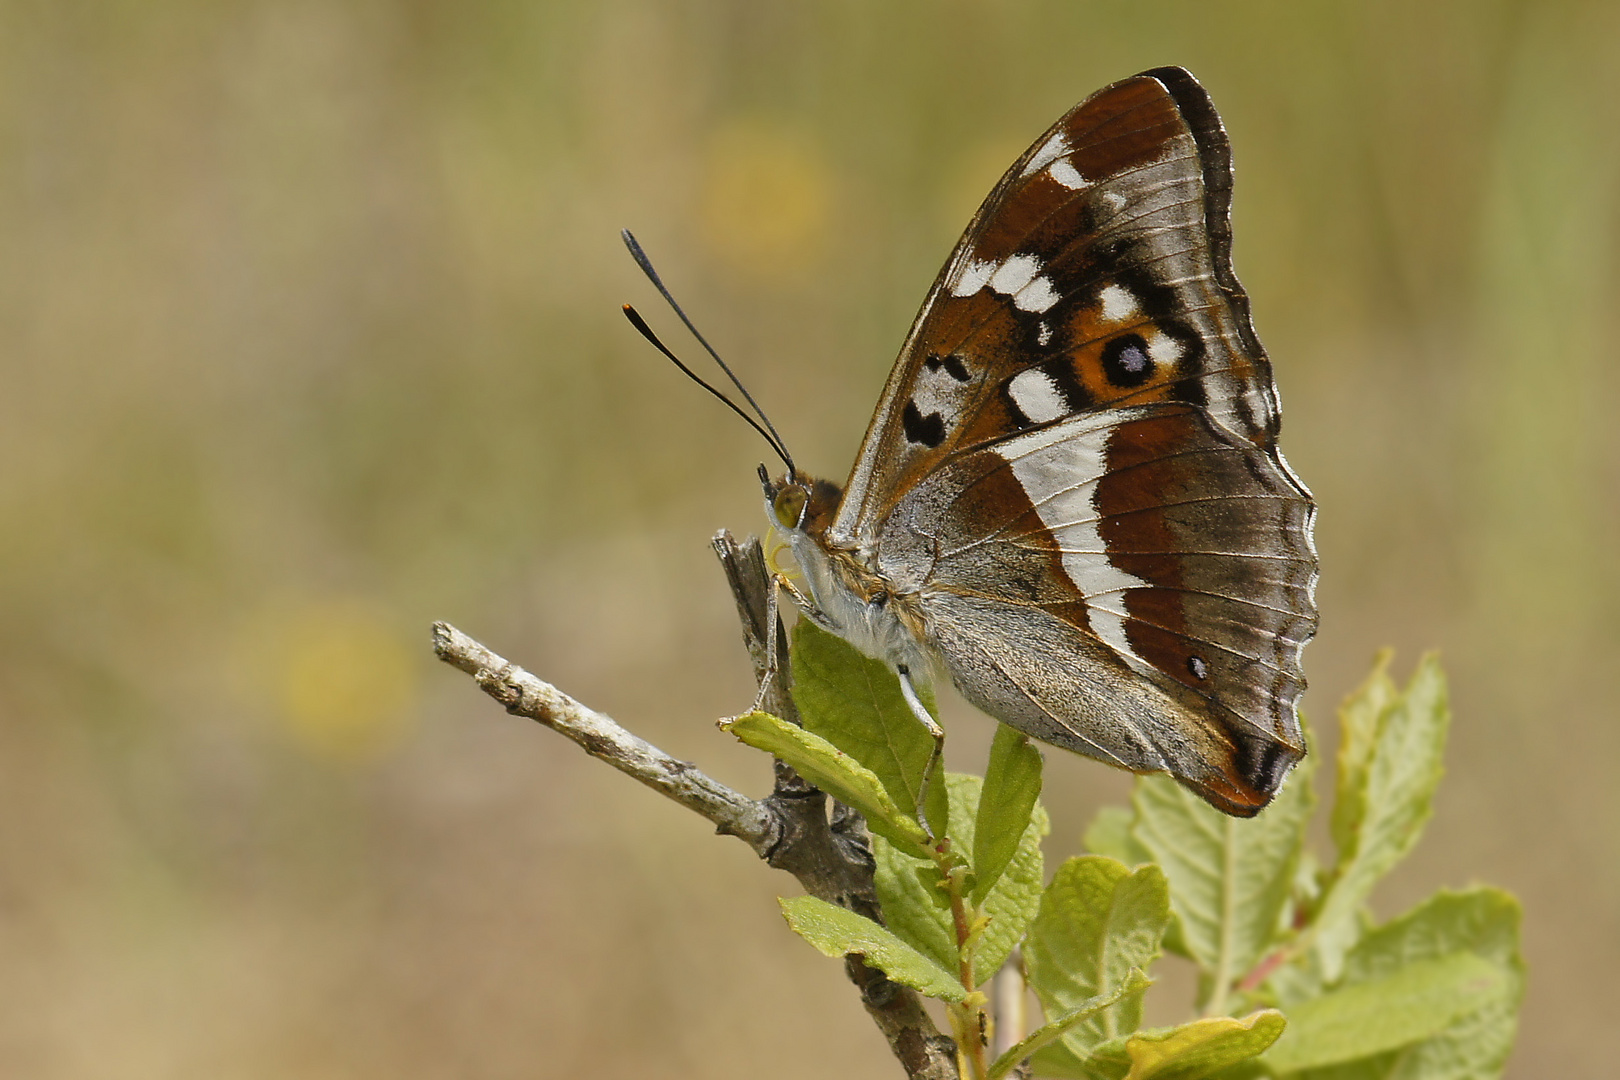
<point>789,506</point>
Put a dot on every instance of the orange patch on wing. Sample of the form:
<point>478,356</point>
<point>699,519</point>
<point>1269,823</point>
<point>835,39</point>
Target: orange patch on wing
<point>1230,792</point>
<point>981,316</point>
<point>1095,333</point>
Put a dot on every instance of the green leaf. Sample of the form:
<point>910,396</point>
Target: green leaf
<point>855,703</point>
<point>1376,1067</point>
<point>834,771</point>
<point>1229,878</point>
<point>1057,1062</point>
<point>1197,1049</point>
<point>1098,922</point>
<point>1110,834</point>
<point>915,906</point>
<point>1012,785</point>
<point>1133,985</point>
<point>1415,1001</point>
<point>1247,1069</point>
<point>1190,1052</point>
<point>836,932</point>
<point>1296,981</point>
<point>1388,800</point>
<point>1482,923</point>
<point>1359,718</point>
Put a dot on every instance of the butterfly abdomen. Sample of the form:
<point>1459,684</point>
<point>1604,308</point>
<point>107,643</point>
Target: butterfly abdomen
<point>879,615</point>
<point>862,608</point>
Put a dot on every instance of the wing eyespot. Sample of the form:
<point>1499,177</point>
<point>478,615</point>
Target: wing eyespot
<point>1126,362</point>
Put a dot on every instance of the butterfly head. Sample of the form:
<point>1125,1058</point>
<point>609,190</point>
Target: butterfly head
<point>841,593</point>
<point>799,503</point>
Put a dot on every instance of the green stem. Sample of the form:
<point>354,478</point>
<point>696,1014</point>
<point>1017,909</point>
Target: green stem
<point>968,1020</point>
<point>1223,968</point>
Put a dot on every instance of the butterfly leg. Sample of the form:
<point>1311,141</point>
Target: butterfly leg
<point>811,610</point>
<point>909,691</point>
<point>772,615</point>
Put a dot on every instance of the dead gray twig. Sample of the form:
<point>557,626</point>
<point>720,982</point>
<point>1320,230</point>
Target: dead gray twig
<point>790,829</point>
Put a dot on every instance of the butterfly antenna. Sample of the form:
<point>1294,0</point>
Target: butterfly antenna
<point>769,430</point>
<point>769,436</point>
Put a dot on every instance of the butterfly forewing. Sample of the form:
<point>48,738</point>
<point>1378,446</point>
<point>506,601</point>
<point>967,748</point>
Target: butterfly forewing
<point>1096,273</point>
<point>1074,468</point>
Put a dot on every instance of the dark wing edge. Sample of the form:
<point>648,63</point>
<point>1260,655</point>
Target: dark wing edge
<point>1215,151</point>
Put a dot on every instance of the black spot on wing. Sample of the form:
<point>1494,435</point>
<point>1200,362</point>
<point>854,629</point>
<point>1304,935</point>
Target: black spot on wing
<point>952,365</point>
<point>927,430</point>
<point>1046,334</point>
<point>1189,384</point>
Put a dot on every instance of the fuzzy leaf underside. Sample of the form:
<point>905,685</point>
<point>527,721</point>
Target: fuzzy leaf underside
<point>833,771</point>
<point>1200,1048</point>
<point>1229,878</point>
<point>1390,765</point>
<point>855,703</point>
<point>838,932</point>
<point>1098,921</point>
<point>1012,785</point>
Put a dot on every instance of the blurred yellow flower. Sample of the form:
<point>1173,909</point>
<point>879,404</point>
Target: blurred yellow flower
<point>767,198</point>
<point>344,680</point>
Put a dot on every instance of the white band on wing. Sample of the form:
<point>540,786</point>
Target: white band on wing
<point>1059,468</point>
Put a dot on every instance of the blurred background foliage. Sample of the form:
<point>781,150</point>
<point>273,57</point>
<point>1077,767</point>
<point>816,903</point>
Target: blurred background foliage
<point>308,335</point>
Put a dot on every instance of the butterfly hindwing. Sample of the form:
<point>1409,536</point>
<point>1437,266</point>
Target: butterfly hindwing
<point>1172,557</point>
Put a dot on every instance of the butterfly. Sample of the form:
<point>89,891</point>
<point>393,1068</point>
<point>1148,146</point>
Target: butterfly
<point>1070,500</point>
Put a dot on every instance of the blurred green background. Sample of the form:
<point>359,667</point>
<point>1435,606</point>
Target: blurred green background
<point>309,336</point>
